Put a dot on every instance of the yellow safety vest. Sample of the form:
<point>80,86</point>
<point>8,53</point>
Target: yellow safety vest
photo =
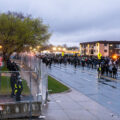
<point>16,88</point>
<point>19,86</point>
<point>99,68</point>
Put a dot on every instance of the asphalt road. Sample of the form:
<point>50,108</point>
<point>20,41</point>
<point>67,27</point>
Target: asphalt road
<point>106,93</point>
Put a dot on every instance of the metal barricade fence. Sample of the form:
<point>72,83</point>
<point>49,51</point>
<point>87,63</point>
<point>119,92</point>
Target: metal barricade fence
<point>35,64</point>
<point>44,82</point>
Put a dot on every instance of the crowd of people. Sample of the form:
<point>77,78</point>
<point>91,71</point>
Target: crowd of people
<point>15,80</point>
<point>105,66</point>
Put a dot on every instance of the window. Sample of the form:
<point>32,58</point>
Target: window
<point>92,52</point>
<point>117,45</point>
<point>119,52</point>
<point>105,44</point>
<point>84,46</point>
<point>111,45</point>
<point>105,50</point>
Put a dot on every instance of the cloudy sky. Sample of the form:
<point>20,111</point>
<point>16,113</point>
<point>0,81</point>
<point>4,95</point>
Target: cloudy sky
<point>72,21</point>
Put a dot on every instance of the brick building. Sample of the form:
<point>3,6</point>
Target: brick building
<point>106,48</point>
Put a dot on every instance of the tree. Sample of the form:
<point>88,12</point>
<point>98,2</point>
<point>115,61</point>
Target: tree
<point>18,31</point>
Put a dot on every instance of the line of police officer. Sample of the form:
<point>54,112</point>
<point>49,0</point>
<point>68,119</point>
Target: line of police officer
<point>15,80</point>
<point>107,66</point>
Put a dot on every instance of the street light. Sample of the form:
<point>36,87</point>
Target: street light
<point>38,47</point>
<point>59,48</point>
<point>114,56</point>
<point>64,49</point>
<point>0,46</point>
<point>34,49</point>
<point>54,48</point>
<point>30,48</point>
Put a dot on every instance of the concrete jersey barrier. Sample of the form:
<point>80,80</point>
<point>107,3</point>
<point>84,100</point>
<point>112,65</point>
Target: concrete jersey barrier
<point>19,109</point>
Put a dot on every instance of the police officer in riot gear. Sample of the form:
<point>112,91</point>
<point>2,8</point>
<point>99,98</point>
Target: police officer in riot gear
<point>18,88</point>
<point>13,81</point>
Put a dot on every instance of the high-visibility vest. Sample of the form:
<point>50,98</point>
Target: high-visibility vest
<point>15,85</point>
<point>16,88</point>
<point>19,86</point>
<point>99,68</point>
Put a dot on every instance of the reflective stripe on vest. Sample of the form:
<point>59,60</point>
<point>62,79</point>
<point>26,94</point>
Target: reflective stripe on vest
<point>19,86</point>
<point>16,91</point>
<point>15,85</point>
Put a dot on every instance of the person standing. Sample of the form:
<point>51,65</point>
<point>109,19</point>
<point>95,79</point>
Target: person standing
<point>114,71</point>
<point>13,81</point>
<point>99,72</point>
<point>19,88</point>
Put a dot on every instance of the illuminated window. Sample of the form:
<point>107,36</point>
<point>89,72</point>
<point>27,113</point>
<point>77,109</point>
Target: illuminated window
<point>111,45</point>
<point>119,52</point>
<point>110,50</point>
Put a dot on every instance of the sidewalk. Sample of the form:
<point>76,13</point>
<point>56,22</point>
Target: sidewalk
<point>75,106</point>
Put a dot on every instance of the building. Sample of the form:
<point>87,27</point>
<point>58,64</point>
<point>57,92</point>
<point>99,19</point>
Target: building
<point>106,48</point>
<point>72,50</point>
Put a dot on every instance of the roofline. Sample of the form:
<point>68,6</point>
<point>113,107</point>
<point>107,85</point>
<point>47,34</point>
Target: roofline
<point>101,41</point>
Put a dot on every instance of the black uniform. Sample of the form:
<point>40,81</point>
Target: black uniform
<point>13,81</point>
<point>114,70</point>
<point>19,88</point>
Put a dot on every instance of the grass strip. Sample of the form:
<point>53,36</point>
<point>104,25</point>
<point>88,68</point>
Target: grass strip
<point>4,68</point>
<point>55,86</point>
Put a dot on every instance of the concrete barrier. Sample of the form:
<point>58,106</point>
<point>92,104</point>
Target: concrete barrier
<point>19,110</point>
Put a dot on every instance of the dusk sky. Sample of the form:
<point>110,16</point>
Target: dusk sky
<point>72,21</point>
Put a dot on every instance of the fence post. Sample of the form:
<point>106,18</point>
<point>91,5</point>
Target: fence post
<point>30,97</point>
<point>39,82</point>
<point>30,91</point>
